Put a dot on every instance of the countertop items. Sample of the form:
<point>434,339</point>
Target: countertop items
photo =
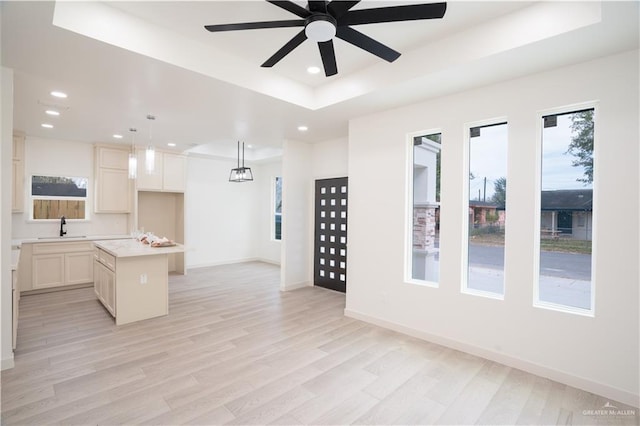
<point>132,248</point>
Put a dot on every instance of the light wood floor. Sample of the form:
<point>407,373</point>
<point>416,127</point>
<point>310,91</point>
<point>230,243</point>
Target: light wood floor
<point>236,350</point>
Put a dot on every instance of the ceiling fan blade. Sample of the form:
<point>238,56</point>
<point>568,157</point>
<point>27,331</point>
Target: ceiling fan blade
<point>255,25</point>
<point>365,42</point>
<point>317,6</point>
<point>339,8</point>
<point>393,14</point>
<point>285,50</point>
<point>290,6</point>
<point>328,56</point>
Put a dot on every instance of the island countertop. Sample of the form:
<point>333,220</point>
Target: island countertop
<point>133,248</point>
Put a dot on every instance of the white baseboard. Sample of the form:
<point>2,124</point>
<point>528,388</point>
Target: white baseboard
<point>294,286</point>
<point>597,388</point>
<point>230,262</point>
<point>7,363</point>
<point>265,260</point>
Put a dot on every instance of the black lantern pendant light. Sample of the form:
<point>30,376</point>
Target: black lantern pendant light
<point>241,174</point>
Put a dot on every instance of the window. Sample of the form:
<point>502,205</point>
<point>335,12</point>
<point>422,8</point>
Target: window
<point>56,196</point>
<point>486,209</point>
<point>277,209</point>
<point>425,211</point>
<point>566,211</point>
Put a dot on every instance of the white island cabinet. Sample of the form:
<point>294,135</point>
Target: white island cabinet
<point>132,279</point>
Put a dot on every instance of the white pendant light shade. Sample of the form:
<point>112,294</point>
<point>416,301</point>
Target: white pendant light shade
<point>150,153</point>
<point>150,159</point>
<point>133,165</point>
<point>133,159</point>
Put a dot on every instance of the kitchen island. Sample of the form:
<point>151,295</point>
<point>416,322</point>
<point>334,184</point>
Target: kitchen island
<point>131,279</point>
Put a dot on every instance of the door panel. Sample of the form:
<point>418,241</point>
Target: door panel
<point>330,240</point>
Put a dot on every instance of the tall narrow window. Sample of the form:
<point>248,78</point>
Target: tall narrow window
<point>277,209</point>
<point>486,209</point>
<point>566,216</point>
<point>425,259</point>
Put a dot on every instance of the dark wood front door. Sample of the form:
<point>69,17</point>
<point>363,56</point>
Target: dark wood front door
<point>330,241</point>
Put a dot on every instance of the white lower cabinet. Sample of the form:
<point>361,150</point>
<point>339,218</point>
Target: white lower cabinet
<point>16,304</point>
<point>105,280</point>
<point>61,264</point>
<point>48,270</point>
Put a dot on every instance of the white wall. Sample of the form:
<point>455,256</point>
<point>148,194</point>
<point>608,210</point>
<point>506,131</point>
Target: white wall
<point>6,147</point>
<point>296,216</point>
<point>267,248</point>
<point>599,354</point>
<point>302,164</point>
<point>330,159</point>
<point>51,157</point>
<point>220,216</point>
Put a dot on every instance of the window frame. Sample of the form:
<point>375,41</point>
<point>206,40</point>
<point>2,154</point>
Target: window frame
<point>540,114</point>
<point>87,210</point>
<point>466,155</point>
<point>408,212</point>
<point>273,214</point>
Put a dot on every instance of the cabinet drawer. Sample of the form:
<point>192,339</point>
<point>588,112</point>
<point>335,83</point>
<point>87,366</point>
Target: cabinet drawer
<point>70,247</point>
<point>108,260</point>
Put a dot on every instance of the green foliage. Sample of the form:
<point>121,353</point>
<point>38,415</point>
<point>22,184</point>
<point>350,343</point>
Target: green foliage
<point>500,191</point>
<point>492,217</point>
<point>581,146</point>
<point>485,230</point>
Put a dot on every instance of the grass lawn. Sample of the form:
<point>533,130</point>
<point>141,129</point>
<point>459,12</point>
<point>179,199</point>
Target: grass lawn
<point>565,245</point>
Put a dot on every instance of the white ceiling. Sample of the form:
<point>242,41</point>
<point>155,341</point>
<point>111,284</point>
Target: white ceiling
<point>123,60</point>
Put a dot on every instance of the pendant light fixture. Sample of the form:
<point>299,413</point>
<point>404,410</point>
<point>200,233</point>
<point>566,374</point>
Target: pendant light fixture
<point>150,153</point>
<point>241,174</point>
<point>133,159</point>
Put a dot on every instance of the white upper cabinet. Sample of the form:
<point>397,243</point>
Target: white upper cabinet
<point>113,189</point>
<point>175,172</point>
<point>169,174</point>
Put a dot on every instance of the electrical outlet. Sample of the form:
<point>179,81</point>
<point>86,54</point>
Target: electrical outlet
<point>143,278</point>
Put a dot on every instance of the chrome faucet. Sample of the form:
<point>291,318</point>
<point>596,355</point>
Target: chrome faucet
<point>63,222</point>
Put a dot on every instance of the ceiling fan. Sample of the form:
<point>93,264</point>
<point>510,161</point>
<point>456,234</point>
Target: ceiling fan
<point>322,21</point>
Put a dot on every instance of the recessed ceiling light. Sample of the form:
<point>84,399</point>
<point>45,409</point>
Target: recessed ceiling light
<point>171,144</point>
<point>47,125</point>
<point>52,112</point>
<point>249,146</point>
<point>116,136</point>
<point>58,94</point>
<point>303,128</point>
<point>313,70</point>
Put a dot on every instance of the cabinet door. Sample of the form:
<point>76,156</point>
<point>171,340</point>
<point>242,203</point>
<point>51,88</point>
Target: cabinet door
<point>48,270</point>
<point>79,268</point>
<point>17,190</point>
<point>109,290</point>
<point>113,194</point>
<point>149,181</point>
<point>175,173</point>
<point>97,281</point>
<point>113,158</point>
<point>16,302</point>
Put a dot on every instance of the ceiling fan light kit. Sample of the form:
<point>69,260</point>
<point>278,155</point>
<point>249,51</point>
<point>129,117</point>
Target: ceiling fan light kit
<point>320,28</point>
<point>323,21</point>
